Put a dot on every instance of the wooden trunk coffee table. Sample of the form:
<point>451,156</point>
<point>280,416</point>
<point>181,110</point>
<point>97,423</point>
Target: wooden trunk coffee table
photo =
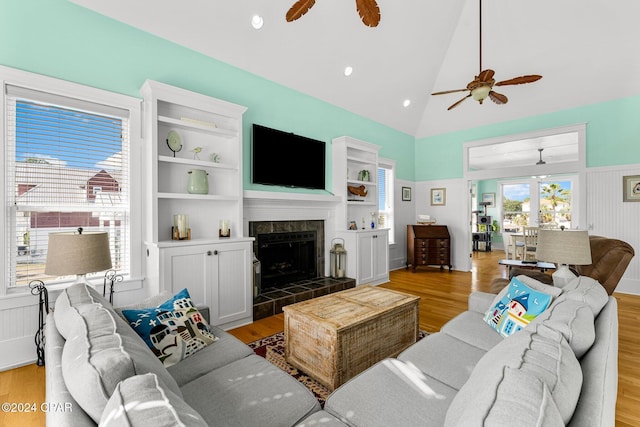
<point>335,337</point>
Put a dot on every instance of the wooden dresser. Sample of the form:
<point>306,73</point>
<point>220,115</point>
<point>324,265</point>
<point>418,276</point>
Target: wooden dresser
<point>428,245</point>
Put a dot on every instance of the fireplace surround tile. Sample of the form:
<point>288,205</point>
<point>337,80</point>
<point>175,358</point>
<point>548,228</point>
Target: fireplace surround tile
<point>271,302</point>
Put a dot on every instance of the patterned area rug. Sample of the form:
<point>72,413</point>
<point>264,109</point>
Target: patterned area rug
<point>272,349</point>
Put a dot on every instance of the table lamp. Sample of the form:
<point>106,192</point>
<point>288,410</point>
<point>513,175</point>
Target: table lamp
<point>563,247</point>
<point>78,253</point>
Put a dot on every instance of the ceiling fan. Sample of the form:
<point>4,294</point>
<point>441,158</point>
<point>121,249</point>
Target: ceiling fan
<point>482,85</point>
<point>367,9</point>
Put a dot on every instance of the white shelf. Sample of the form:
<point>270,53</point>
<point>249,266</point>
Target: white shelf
<point>195,162</point>
<point>179,243</point>
<point>356,203</point>
<point>360,160</point>
<point>355,181</point>
<point>189,196</point>
<point>189,125</point>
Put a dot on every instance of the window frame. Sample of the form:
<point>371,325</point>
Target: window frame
<point>390,166</point>
<point>63,88</point>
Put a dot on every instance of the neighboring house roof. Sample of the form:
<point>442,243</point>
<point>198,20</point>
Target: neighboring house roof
<point>55,185</point>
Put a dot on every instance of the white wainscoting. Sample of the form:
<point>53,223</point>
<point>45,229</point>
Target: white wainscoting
<point>609,216</point>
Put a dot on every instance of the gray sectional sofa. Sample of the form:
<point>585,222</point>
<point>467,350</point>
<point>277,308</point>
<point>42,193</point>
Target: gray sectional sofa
<point>559,370</point>
<point>562,369</point>
<point>105,373</point>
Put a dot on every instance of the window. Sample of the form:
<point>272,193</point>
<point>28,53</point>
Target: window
<point>386,171</point>
<point>67,166</point>
<point>551,198</point>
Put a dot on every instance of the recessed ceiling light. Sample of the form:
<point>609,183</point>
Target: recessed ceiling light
<point>406,103</point>
<point>257,22</point>
<point>348,70</point>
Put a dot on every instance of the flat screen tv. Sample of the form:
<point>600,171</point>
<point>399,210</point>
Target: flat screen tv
<point>286,159</point>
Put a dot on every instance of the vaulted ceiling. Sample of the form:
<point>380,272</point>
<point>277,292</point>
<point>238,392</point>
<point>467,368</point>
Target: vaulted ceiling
<point>586,51</point>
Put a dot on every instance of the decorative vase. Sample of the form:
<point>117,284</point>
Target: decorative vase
<point>198,182</point>
<point>363,175</point>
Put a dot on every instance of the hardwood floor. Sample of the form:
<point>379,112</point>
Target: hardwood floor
<point>443,296</point>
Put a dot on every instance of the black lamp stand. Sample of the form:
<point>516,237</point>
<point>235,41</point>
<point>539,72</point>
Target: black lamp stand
<point>37,288</point>
<point>111,277</point>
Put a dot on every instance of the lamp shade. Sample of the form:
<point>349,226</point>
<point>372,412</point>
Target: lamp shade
<point>564,247</point>
<point>77,253</point>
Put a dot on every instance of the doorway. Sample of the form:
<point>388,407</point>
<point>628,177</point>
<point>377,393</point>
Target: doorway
<point>548,161</point>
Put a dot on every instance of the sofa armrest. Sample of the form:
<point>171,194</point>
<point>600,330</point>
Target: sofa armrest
<point>480,301</point>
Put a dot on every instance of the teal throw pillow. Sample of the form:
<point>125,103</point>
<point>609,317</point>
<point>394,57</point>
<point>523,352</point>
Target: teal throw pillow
<point>517,308</point>
<point>174,330</point>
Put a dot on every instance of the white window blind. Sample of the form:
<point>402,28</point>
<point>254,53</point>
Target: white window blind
<point>385,199</point>
<point>67,167</point>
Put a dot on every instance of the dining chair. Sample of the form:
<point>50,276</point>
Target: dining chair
<point>530,242</point>
<point>512,246</point>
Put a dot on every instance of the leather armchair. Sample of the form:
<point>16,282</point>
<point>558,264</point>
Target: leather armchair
<point>609,261</point>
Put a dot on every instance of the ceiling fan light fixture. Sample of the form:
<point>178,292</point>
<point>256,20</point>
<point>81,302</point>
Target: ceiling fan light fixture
<point>257,22</point>
<point>480,93</point>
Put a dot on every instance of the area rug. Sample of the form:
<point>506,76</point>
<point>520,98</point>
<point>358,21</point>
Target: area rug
<point>272,349</point>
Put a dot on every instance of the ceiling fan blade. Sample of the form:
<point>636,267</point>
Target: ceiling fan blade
<point>485,75</point>
<point>520,80</point>
<point>298,9</point>
<point>498,98</point>
<point>369,12</point>
<point>459,102</point>
<point>444,92</point>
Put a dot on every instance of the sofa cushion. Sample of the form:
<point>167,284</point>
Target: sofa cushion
<point>574,320</point>
<point>174,330</point>
<point>538,351</point>
<point>517,307</point>
<point>226,350</point>
<point>321,418</point>
<point>433,356</point>
<point>588,291</point>
<point>469,327</point>
<point>520,399</point>
<point>66,306</point>
<point>101,352</point>
<point>391,393</point>
<point>142,400</point>
<point>250,392</point>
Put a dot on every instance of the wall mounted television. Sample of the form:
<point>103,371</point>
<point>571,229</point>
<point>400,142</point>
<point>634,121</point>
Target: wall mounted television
<point>286,159</point>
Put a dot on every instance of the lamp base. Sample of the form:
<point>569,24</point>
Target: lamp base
<point>562,276</point>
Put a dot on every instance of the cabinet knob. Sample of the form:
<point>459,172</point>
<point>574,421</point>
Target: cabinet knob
<point>209,253</point>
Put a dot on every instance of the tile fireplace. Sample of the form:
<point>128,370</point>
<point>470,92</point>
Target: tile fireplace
<point>291,255</point>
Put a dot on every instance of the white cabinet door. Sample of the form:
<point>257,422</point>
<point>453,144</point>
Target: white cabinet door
<point>366,260</point>
<point>373,257</point>
<point>216,275</point>
<point>232,296</point>
<point>187,267</point>
<point>381,257</point>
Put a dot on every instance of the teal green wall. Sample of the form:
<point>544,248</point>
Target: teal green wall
<point>60,39</point>
<point>613,133</point>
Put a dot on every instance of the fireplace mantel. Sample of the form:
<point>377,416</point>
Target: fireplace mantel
<point>274,198</point>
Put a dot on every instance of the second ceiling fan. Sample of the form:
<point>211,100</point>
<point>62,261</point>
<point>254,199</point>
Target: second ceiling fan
<point>482,85</point>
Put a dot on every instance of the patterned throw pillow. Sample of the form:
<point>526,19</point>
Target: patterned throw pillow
<point>174,330</point>
<point>517,308</point>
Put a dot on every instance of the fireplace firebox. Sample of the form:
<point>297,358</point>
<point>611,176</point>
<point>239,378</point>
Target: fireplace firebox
<point>286,257</point>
